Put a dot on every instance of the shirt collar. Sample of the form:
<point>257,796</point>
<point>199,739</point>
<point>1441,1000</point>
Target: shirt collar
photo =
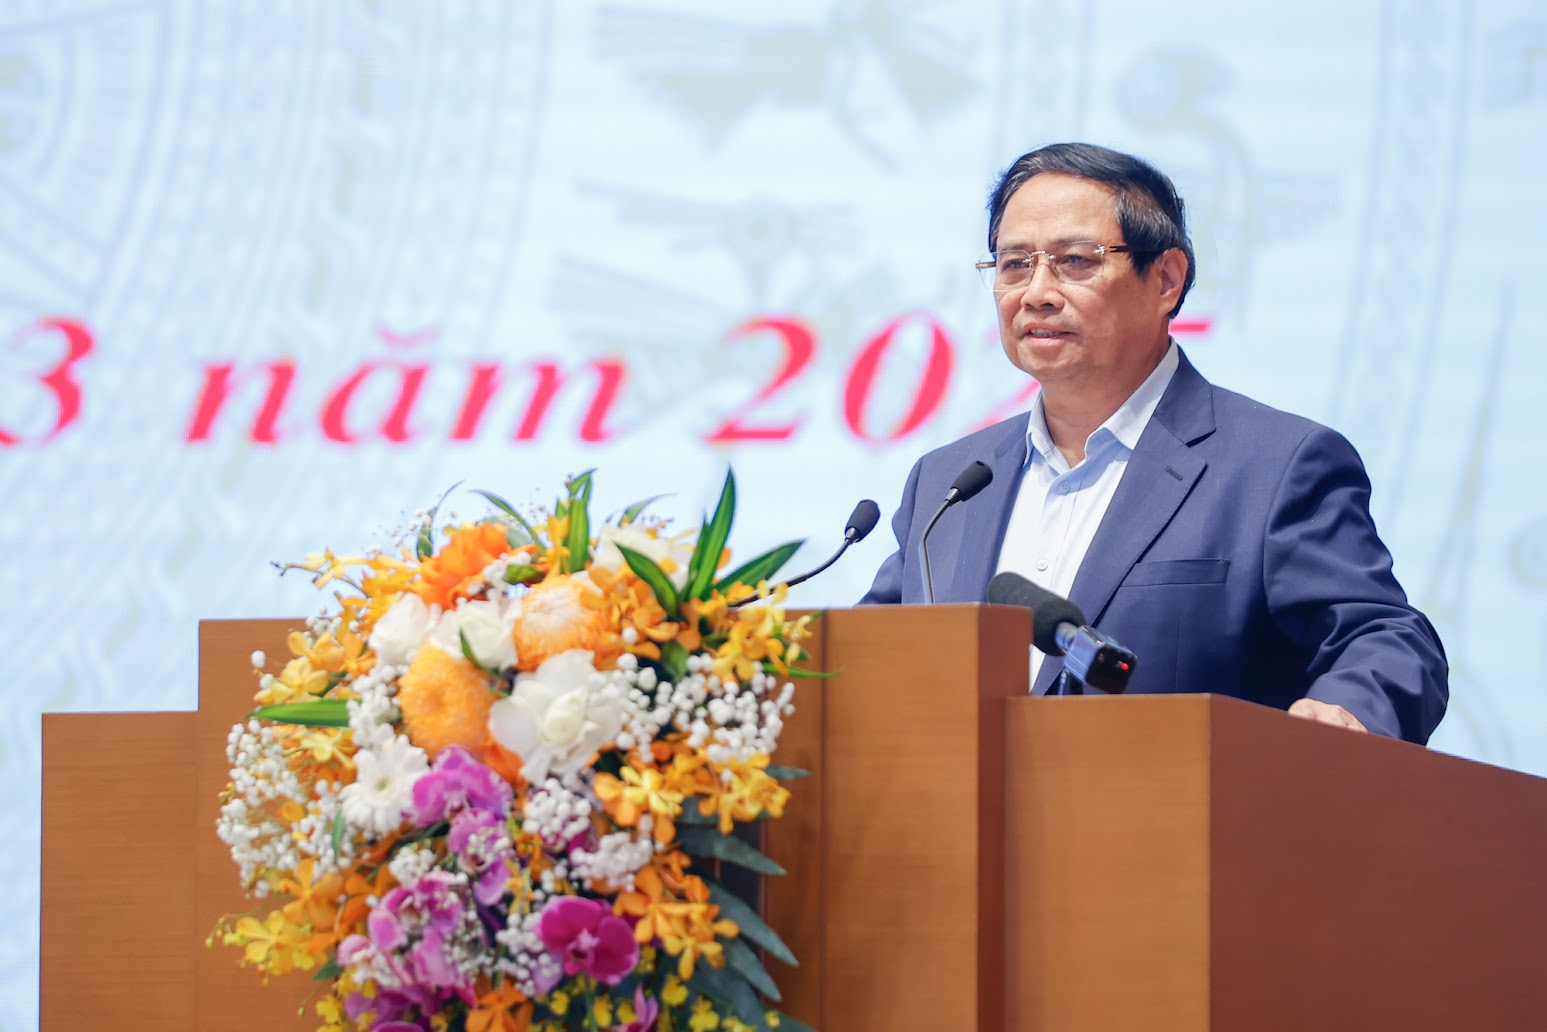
<point>1125,425</point>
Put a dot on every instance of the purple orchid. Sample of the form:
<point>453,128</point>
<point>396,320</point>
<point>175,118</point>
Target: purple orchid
<point>646,1011</point>
<point>410,949</point>
<point>585,936</point>
<point>484,852</point>
<point>458,782</point>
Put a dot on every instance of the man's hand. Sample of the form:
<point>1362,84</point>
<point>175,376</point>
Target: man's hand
<point>1326,713</point>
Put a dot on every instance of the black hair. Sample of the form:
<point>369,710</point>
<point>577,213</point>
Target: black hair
<point>1150,212</point>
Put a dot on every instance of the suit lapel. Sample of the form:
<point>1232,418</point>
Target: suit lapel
<point>974,531</point>
<point>1160,474</point>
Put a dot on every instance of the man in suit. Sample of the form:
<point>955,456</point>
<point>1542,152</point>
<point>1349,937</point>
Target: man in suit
<point>1229,545</point>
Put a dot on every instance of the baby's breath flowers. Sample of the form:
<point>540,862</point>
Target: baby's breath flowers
<point>482,789</point>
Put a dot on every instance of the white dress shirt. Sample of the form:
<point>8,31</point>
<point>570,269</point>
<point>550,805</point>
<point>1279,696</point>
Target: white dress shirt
<point>1058,508</point>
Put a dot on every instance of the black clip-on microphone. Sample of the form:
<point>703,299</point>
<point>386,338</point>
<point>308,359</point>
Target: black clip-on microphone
<point>968,483</point>
<point>861,522</point>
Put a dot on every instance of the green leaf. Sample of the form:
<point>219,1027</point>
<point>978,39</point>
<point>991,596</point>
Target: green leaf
<point>785,773</point>
<point>509,510</point>
<point>789,1024</point>
<point>675,659</point>
<point>733,908</point>
<point>745,963</point>
<point>322,713</point>
<point>762,568</point>
<point>578,543</point>
<point>633,512</point>
<point>653,575</point>
<point>426,543</point>
<point>797,674</point>
<point>711,541</point>
<point>329,971</point>
<point>338,831</point>
<point>706,843</point>
<point>521,574</point>
<point>731,991</point>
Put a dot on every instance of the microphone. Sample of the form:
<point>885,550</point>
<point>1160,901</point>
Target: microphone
<point>968,483</point>
<point>1058,628</point>
<point>861,522</point>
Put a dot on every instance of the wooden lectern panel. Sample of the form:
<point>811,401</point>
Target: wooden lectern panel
<point>117,936</point>
<point>1183,863</point>
<point>903,926</point>
<point>231,997</point>
<point>1409,888</point>
<point>1107,876</point>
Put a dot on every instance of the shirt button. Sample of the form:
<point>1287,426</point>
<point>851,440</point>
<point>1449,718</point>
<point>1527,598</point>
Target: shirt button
<point>1063,488</point>
<point>1041,564</point>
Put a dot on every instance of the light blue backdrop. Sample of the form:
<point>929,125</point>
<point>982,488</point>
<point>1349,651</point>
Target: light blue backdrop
<point>513,197</point>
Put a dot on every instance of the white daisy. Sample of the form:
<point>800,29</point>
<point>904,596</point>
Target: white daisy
<point>383,790</point>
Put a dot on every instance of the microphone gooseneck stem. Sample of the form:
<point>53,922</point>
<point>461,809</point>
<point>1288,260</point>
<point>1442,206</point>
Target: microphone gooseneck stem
<point>849,538</point>
<point>929,580</point>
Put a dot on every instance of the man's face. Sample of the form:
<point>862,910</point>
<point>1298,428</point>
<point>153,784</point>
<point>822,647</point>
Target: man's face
<point>1109,330</point>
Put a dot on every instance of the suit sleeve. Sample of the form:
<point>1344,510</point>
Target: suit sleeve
<point>1331,590</point>
<point>888,587</point>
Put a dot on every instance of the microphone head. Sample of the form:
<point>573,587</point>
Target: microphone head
<point>862,520</point>
<point>970,481</point>
<point>1047,609</point>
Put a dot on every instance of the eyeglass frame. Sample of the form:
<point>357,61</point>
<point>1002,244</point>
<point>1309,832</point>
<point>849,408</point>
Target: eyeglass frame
<point>1044,256</point>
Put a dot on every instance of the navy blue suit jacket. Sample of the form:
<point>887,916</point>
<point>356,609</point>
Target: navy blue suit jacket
<point>1238,556</point>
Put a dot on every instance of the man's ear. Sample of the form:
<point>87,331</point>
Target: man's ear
<point>1170,270</point>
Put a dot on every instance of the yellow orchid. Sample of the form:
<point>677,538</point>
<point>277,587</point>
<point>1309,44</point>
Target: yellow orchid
<point>331,1010</point>
<point>275,945</point>
<point>633,793</point>
<point>325,747</point>
<point>341,655</point>
<point>299,680</point>
<point>675,992</point>
<point>704,1018</point>
<point>748,794</point>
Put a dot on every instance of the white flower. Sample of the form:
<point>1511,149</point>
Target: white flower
<point>401,629</point>
<point>657,549</point>
<point>557,717</point>
<point>383,789</point>
<point>487,627</point>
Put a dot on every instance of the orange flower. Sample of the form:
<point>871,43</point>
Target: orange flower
<point>634,793</point>
<point>554,617</point>
<point>340,656</point>
<point>502,761</point>
<point>445,701</point>
<point>684,921</point>
<point>458,568</point>
<point>386,582</point>
<point>749,793</point>
<point>501,1010</point>
<point>629,603</point>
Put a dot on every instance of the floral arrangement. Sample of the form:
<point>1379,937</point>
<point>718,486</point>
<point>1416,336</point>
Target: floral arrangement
<point>490,792</point>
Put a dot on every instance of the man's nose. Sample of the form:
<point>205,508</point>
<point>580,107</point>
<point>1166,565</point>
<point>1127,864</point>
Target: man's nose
<point>1043,287</point>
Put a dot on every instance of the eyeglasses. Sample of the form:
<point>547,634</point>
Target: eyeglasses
<point>1078,262</point>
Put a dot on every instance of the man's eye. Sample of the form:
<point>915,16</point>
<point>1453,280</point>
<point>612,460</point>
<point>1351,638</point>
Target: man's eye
<point>1013,264</point>
<point>1076,261</point>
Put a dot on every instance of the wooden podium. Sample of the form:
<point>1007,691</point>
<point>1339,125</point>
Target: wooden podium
<point>964,858</point>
